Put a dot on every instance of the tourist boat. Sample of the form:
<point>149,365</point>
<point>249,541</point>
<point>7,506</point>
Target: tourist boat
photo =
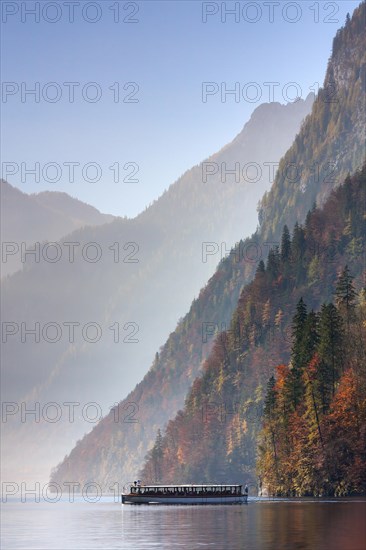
<point>185,494</point>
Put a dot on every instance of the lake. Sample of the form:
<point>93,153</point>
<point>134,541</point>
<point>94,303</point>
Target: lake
<point>262,524</point>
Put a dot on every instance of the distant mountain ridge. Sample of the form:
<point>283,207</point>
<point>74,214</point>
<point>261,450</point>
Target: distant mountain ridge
<point>39,217</point>
<point>76,209</point>
<point>114,450</point>
<point>147,296</point>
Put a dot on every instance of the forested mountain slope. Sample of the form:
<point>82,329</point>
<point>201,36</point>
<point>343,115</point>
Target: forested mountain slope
<point>115,448</point>
<point>216,435</point>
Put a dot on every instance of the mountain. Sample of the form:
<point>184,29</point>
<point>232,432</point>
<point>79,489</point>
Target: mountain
<point>116,291</point>
<point>39,217</point>
<point>331,143</point>
<point>115,449</point>
<point>216,435</point>
<point>250,155</point>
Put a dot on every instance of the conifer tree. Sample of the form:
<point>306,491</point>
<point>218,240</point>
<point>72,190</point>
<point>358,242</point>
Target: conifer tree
<point>294,389</point>
<point>235,332</point>
<point>285,244</point>
<point>298,247</point>
<point>330,352</point>
<point>157,456</point>
<point>346,296</point>
<point>261,268</point>
<point>268,449</point>
<point>298,332</point>
<point>311,338</point>
<point>273,263</point>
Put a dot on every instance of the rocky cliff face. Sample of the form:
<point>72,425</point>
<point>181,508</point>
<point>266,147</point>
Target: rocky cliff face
<point>331,142</point>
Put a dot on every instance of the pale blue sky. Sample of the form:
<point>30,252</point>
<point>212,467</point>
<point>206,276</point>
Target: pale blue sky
<point>169,52</point>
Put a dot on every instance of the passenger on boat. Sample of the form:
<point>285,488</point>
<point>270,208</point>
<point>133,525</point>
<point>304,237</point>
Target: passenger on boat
<point>246,490</point>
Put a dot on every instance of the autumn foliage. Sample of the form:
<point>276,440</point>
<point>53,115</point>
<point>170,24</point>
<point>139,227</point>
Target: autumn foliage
<point>280,403</point>
<point>317,446</point>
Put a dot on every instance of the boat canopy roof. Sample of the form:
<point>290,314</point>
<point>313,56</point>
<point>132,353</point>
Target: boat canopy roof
<point>190,485</point>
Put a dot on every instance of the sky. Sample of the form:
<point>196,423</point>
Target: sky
<point>129,95</point>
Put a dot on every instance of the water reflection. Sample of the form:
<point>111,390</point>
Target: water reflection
<point>273,525</point>
<point>259,525</point>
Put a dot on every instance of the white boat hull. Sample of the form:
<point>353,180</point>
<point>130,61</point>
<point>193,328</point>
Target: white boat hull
<point>142,499</point>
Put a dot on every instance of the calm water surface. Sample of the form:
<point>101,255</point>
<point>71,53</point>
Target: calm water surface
<point>262,524</point>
